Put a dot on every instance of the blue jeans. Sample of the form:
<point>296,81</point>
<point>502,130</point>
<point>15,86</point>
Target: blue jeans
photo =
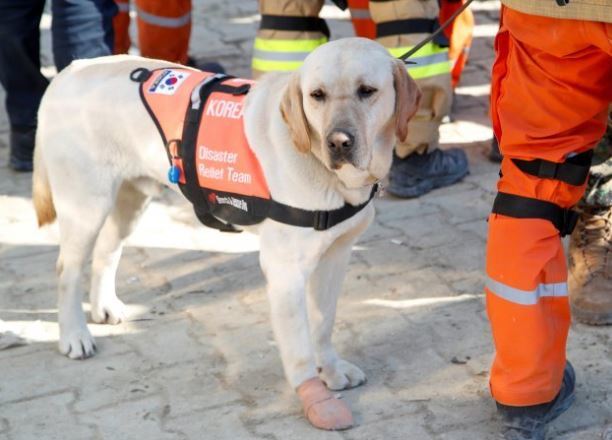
<point>80,29</point>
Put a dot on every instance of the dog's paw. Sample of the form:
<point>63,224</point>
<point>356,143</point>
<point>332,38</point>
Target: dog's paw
<point>77,343</point>
<point>112,311</point>
<point>342,375</point>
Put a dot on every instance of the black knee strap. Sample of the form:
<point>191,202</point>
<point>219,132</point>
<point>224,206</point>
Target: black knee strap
<point>573,171</point>
<point>515,206</point>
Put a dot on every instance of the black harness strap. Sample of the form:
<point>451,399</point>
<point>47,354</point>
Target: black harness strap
<point>186,149</point>
<point>515,206</point>
<point>574,170</point>
<point>191,189</point>
<point>412,26</point>
<point>319,220</point>
<point>406,26</point>
<point>294,23</point>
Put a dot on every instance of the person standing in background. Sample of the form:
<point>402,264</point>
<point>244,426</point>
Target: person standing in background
<point>291,29</point>
<point>80,29</point>
<point>164,28</point>
<point>590,248</point>
<point>549,104</point>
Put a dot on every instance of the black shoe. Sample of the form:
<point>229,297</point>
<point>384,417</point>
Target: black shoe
<point>417,174</point>
<point>531,422</point>
<point>494,154</point>
<point>22,148</point>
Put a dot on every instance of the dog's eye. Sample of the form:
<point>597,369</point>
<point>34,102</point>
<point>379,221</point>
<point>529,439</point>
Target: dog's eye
<point>365,91</point>
<point>318,95</point>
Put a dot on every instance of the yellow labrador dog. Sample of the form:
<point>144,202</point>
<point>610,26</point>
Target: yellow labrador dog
<point>99,159</point>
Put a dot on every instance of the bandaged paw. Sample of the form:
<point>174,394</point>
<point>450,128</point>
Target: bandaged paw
<point>321,408</point>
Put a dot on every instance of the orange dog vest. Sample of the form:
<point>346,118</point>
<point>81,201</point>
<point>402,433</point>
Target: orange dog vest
<point>200,116</point>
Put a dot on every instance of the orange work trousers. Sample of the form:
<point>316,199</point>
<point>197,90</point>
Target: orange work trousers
<point>164,28</point>
<point>549,99</point>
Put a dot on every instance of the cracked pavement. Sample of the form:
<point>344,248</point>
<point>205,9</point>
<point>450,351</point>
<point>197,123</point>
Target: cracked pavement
<point>197,360</point>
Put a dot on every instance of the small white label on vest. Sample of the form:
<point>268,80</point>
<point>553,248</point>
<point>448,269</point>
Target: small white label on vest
<point>236,203</point>
<point>168,82</point>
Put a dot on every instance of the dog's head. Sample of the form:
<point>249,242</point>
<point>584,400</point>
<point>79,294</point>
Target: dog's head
<point>349,104</point>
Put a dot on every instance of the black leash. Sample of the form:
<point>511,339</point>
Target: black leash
<point>436,33</point>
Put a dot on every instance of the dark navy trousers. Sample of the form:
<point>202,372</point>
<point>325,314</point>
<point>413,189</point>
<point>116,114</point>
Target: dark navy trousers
<point>80,29</point>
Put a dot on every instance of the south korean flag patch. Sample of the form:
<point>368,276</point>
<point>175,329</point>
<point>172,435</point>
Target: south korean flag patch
<point>168,82</point>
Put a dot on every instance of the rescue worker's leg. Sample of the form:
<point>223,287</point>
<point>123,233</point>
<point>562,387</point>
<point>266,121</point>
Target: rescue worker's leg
<point>362,21</point>
<point>121,26</point>
<point>20,75</point>
<point>164,28</point>
<point>590,249</point>
<point>81,29</point>
<point>418,165</point>
<point>546,110</point>
<point>279,47</point>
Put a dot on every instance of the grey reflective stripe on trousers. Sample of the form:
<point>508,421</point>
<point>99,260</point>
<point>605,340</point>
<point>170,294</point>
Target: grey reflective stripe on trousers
<point>360,14</point>
<point>526,297</point>
<point>428,59</point>
<point>279,56</point>
<point>164,21</point>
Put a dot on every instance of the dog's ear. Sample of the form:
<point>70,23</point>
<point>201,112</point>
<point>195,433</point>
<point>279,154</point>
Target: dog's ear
<point>292,109</point>
<point>407,98</point>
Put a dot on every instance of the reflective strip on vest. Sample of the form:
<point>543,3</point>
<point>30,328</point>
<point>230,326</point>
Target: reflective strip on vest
<point>360,14</point>
<point>282,55</point>
<point>431,60</point>
<point>123,7</point>
<point>166,22</point>
<point>526,297</point>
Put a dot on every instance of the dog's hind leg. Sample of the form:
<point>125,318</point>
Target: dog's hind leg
<point>323,290</point>
<point>81,212</point>
<point>129,205</point>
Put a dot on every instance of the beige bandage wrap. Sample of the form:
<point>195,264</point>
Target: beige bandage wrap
<point>321,408</point>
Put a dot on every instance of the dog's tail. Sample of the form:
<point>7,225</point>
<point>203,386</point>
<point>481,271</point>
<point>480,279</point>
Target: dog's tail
<point>41,192</point>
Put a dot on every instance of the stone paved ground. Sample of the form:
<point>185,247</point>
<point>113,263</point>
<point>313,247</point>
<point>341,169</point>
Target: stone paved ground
<point>197,359</point>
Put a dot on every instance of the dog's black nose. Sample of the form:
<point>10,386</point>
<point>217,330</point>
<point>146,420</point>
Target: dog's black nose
<point>340,140</point>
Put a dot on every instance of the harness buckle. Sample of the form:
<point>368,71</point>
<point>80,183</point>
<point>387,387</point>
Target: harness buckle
<point>548,170</point>
<point>321,220</point>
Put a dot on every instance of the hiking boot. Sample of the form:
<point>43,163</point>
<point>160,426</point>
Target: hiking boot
<point>590,267</point>
<point>531,422</point>
<point>22,148</point>
<point>417,174</point>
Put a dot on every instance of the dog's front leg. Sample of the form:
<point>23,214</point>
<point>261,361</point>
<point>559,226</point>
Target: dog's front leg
<point>323,290</point>
<point>287,267</point>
